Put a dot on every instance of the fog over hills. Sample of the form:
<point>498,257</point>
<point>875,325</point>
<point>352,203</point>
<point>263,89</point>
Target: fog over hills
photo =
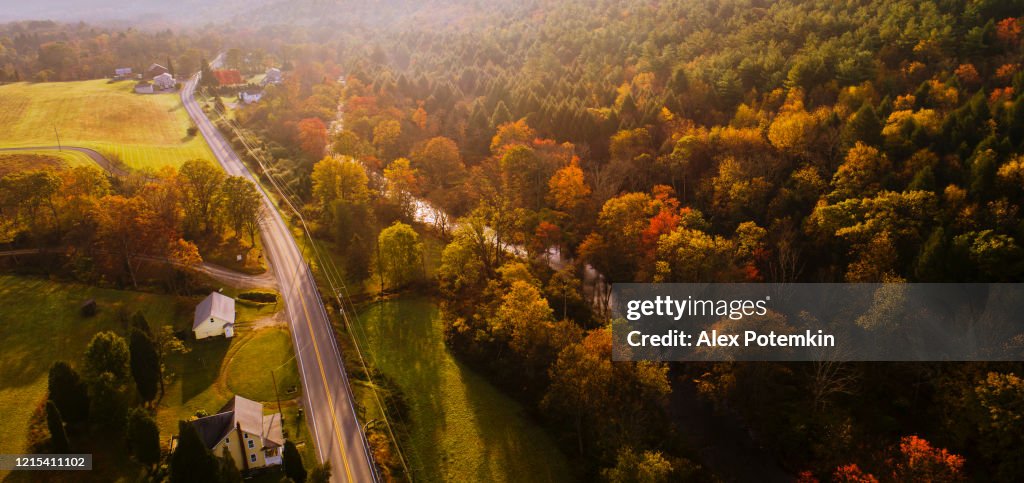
<point>154,11</point>
<point>143,13</point>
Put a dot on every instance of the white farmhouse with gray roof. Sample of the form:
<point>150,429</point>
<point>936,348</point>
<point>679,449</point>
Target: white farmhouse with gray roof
<point>215,315</point>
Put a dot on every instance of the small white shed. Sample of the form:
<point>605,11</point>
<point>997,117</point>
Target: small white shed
<point>215,315</point>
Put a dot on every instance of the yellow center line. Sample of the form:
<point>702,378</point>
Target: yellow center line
<point>330,400</point>
<point>323,375</point>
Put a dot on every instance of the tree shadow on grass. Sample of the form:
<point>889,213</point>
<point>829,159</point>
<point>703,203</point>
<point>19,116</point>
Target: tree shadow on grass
<point>201,367</point>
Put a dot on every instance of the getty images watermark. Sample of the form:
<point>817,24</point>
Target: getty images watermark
<point>812,322</point>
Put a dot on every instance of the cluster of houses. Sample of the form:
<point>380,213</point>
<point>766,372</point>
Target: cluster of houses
<point>254,440</point>
<point>157,78</point>
<point>271,77</point>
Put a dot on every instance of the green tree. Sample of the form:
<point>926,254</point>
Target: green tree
<point>107,353</point>
<point>338,179</point>
<point>192,462</point>
<point>321,473</point>
<point>243,207</point>
<point>58,437</point>
<point>1001,422</point>
<point>108,405</point>
<point>68,391</point>
<point>166,343</point>
<point>401,254</point>
<point>145,364</point>
<point>207,78</point>
<point>643,467</point>
<point>143,437</point>
<point>864,126</point>
<point>200,181</point>
<point>293,467</point>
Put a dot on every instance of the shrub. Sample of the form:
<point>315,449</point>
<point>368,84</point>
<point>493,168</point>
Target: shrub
<point>258,296</point>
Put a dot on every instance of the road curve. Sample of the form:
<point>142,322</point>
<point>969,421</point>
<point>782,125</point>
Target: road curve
<point>329,406</point>
<point>96,157</point>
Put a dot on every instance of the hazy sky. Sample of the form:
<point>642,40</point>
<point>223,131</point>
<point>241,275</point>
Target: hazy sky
<point>93,10</point>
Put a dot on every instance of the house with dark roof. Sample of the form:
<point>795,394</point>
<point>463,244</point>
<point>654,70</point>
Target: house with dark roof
<point>255,440</point>
<point>155,70</point>
<point>215,315</point>
<point>273,76</point>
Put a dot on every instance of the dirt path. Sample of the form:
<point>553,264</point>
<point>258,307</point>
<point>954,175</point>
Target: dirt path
<point>239,279</point>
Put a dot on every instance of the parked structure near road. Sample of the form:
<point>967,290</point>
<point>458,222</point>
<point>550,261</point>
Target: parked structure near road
<point>144,87</point>
<point>215,315</point>
<point>164,81</point>
<point>123,73</point>
<point>273,76</point>
<point>254,440</point>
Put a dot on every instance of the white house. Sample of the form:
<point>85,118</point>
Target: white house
<point>123,72</point>
<point>215,315</point>
<point>143,88</point>
<point>273,76</point>
<point>164,81</point>
<point>250,96</point>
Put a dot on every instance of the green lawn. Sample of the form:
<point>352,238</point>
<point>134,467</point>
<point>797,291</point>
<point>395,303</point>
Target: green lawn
<point>40,324</point>
<point>248,372</point>
<point>460,427</point>
<point>143,131</point>
<point>217,368</point>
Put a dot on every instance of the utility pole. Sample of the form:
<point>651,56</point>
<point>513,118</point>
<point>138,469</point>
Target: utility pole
<point>55,133</point>
<point>278,396</point>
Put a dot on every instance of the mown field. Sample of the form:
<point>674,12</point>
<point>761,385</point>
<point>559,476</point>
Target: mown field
<point>29,160</point>
<point>460,427</point>
<point>143,131</point>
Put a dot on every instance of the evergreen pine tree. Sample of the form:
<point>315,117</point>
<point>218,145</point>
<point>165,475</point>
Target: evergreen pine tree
<point>58,437</point>
<point>192,462</point>
<point>143,437</point>
<point>293,467</point>
<point>145,364</point>
<point>68,392</point>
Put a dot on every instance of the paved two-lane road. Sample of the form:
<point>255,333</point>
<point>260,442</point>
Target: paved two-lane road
<point>329,407</point>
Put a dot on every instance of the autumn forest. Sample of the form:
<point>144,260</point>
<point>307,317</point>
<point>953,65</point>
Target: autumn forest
<point>546,149</point>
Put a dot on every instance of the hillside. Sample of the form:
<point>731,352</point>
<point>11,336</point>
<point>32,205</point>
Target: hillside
<point>142,131</point>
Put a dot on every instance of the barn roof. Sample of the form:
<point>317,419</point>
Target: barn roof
<point>216,305</point>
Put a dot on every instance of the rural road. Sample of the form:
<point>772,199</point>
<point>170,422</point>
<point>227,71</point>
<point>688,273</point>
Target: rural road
<point>330,409</point>
<point>95,156</point>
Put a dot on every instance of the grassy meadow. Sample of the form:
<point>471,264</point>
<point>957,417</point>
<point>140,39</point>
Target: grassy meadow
<point>40,324</point>
<point>41,159</point>
<point>142,131</point>
<point>459,426</point>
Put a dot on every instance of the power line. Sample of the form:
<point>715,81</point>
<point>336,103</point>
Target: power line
<point>328,268</point>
